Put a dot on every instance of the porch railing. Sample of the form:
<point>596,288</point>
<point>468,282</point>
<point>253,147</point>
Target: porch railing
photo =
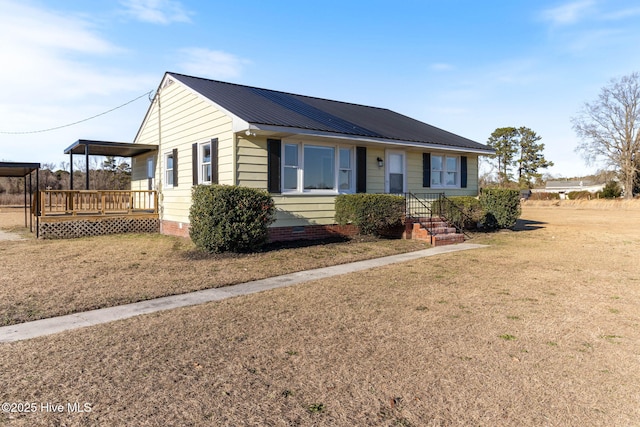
<point>97,202</point>
<point>430,205</point>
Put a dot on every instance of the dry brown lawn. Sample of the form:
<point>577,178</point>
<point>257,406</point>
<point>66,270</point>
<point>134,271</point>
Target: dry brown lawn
<point>540,329</point>
<point>46,278</point>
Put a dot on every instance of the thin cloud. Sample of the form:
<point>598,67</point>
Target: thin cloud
<point>156,11</point>
<point>58,76</point>
<point>622,14</point>
<point>569,13</point>
<point>211,63</point>
<point>440,66</point>
<point>23,26</point>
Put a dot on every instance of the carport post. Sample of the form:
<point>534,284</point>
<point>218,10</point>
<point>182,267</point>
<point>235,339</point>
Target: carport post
<point>30,204</point>
<point>37,203</point>
<point>86,165</point>
<point>25,200</point>
<point>70,170</point>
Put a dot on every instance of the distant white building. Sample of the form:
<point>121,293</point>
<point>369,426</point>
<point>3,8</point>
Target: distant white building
<point>565,187</point>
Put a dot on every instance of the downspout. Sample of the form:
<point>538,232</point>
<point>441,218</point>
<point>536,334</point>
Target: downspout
<point>159,181</point>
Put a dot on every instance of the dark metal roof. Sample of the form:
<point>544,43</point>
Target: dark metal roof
<point>13,169</point>
<point>268,107</point>
<point>108,148</point>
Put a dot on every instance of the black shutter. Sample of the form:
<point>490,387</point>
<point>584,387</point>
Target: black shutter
<point>426,170</point>
<point>274,154</point>
<point>214,161</point>
<point>361,169</point>
<point>463,171</point>
<point>175,167</point>
<point>194,163</point>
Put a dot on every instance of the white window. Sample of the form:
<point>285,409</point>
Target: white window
<point>290,174</point>
<point>169,170</point>
<point>205,162</point>
<point>345,171</point>
<point>445,171</point>
<point>309,168</point>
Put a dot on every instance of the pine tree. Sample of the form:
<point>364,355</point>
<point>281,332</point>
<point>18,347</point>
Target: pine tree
<point>531,157</point>
<point>504,141</point>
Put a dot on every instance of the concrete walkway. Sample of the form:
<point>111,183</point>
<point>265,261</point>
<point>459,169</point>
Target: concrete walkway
<point>54,325</point>
<point>7,235</point>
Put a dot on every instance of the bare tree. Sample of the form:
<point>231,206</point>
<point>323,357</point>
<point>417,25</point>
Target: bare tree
<point>610,129</point>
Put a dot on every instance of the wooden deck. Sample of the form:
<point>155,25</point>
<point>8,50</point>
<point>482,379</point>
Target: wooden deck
<point>95,203</point>
<point>64,214</point>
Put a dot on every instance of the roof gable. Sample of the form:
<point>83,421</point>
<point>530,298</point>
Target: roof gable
<point>280,109</point>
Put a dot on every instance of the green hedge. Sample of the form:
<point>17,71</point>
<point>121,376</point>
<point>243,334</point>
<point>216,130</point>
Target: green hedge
<point>375,214</point>
<point>466,214</point>
<point>501,207</point>
<point>611,190</point>
<point>230,218</point>
<point>544,196</point>
<point>579,195</point>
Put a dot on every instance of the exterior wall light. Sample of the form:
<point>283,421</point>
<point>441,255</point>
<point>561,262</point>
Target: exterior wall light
<point>380,162</point>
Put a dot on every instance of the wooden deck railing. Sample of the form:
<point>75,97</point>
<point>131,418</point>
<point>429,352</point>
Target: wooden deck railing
<point>97,202</point>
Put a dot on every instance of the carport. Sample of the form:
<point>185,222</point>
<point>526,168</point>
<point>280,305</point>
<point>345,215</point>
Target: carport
<point>23,170</point>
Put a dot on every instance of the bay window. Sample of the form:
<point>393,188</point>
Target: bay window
<point>317,168</point>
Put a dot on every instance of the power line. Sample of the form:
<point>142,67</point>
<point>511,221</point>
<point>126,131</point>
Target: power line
<point>79,121</point>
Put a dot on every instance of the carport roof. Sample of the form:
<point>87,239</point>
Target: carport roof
<point>109,148</point>
<point>14,169</point>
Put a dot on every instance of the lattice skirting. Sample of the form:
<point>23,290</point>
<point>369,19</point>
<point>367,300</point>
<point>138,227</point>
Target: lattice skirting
<point>97,227</point>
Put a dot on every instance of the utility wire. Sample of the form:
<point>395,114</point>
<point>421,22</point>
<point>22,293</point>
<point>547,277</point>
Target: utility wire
<point>79,121</point>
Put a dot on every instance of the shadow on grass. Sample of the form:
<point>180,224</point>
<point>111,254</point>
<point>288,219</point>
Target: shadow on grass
<point>276,246</point>
<point>527,225</point>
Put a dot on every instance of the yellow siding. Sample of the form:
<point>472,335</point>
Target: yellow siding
<point>375,174</point>
<point>252,162</point>
<point>300,210</point>
<point>177,120</point>
<point>414,177</point>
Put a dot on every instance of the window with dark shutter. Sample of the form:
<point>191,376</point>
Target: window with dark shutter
<point>463,171</point>
<point>426,170</point>
<point>214,161</point>
<point>194,163</point>
<point>361,169</point>
<point>274,154</point>
<point>175,167</point>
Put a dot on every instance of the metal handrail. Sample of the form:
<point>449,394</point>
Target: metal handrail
<point>453,214</point>
<point>418,206</point>
<point>429,205</point>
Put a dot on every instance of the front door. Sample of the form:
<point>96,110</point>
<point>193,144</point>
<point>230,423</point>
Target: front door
<point>396,174</point>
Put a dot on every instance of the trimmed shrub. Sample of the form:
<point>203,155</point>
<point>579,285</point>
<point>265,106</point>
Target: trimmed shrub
<point>466,213</point>
<point>230,218</point>
<point>501,207</point>
<point>611,190</point>
<point>579,195</point>
<point>375,214</point>
<point>544,196</point>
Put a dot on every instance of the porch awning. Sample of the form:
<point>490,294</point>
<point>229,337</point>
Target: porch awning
<point>13,169</point>
<point>108,148</point>
<point>23,170</point>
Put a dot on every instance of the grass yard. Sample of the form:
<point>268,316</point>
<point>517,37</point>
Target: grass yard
<point>541,328</point>
<point>47,278</point>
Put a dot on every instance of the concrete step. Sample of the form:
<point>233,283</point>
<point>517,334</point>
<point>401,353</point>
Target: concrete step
<point>446,239</point>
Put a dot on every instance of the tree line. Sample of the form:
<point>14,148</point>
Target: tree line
<point>110,174</point>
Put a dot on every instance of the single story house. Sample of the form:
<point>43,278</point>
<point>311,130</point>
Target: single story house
<point>303,150</point>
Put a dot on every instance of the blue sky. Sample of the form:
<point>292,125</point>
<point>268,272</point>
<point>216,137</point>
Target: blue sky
<point>466,66</point>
